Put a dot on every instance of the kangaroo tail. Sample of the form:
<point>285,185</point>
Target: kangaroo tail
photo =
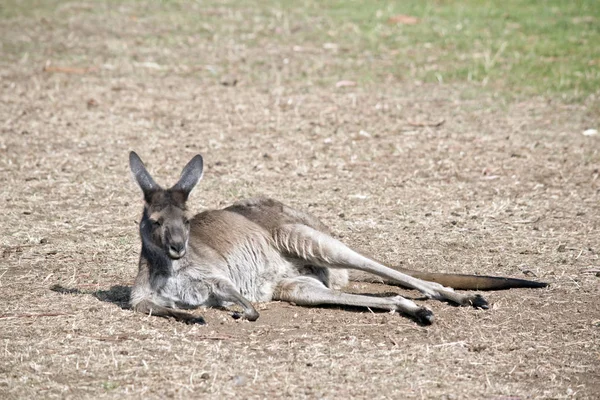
<point>455,281</point>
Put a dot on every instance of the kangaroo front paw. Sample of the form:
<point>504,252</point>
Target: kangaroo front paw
<point>250,315</point>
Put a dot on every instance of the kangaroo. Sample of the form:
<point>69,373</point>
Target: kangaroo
<point>259,250</point>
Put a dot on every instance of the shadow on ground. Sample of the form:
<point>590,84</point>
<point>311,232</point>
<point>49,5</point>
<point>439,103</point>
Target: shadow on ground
<point>118,295</point>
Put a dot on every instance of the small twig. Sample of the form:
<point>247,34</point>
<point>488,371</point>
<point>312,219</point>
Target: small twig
<point>523,221</point>
<point>19,246</point>
<point>527,221</point>
<point>392,340</point>
<point>425,124</point>
<point>8,316</point>
<point>68,70</point>
<point>595,271</point>
<point>459,343</point>
<point>117,338</point>
<point>528,272</point>
<point>213,337</point>
<point>575,282</point>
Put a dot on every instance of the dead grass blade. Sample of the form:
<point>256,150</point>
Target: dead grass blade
<point>68,70</point>
<point>11,316</point>
<point>426,124</point>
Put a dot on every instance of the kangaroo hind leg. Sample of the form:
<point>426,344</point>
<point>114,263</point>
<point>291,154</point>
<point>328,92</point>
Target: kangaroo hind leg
<point>318,248</point>
<point>308,291</point>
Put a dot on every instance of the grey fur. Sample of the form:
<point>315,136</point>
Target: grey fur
<point>256,250</point>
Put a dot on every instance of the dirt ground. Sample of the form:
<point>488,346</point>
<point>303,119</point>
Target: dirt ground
<point>434,177</point>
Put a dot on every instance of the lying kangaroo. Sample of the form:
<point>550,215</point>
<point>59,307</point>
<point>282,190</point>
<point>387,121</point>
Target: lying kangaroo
<point>261,250</point>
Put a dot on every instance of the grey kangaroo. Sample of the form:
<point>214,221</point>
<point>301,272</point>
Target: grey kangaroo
<point>259,250</point>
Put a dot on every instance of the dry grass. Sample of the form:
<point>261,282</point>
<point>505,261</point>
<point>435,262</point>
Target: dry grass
<point>498,188</point>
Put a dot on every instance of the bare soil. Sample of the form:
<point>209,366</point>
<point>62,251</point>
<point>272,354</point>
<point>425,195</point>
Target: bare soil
<point>433,177</point>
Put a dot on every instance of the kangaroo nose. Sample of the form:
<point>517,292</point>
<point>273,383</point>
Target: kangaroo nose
<point>176,250</point>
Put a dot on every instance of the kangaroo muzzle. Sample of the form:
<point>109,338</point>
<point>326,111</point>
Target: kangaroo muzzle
<point>176,250</point>
<point>176,245</point>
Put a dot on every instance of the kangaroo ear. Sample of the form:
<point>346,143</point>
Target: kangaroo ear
<point>190,176</point>
<point>142,176</point>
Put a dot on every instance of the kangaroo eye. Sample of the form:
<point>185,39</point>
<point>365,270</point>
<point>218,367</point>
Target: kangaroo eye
<point>156,222</point>
<point>187,222</point>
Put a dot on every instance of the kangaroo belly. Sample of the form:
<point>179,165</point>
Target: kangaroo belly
<point>255,268</point>
<point>239,250</point>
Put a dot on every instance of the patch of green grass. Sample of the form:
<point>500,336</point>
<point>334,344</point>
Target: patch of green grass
<point>548,47</point>
<point>26,8</point>
<point>531,47</point>
<point>109,385</point>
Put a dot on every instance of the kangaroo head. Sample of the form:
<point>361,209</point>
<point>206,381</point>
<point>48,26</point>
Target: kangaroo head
<point>166,223</point>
